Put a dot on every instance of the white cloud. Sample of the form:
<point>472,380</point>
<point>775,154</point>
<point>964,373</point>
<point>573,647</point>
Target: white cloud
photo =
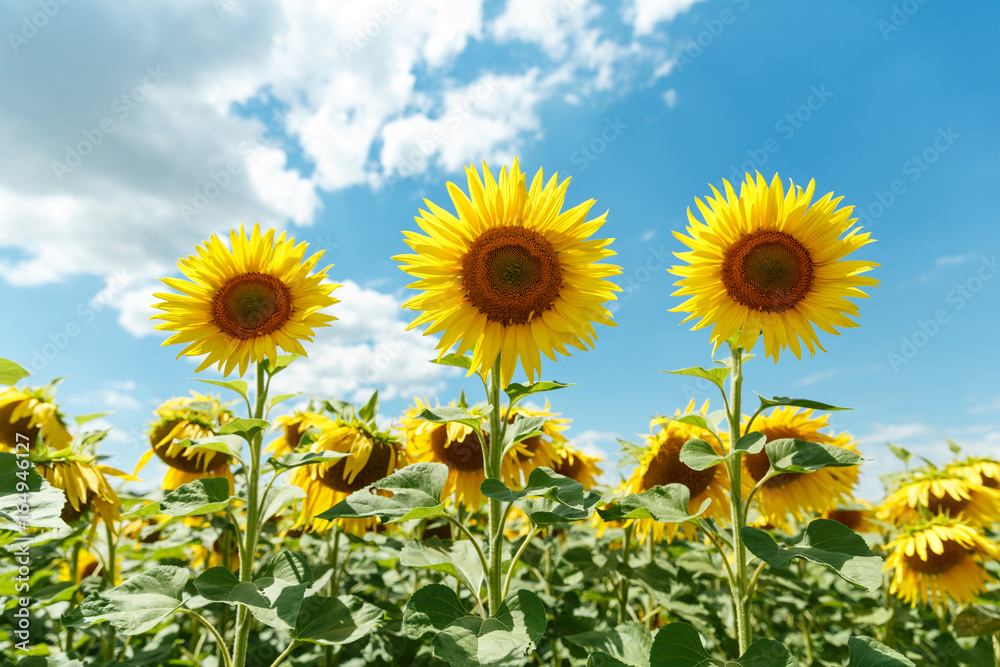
<point>644,15</point>
<point>115,396</point>
<point>670,97</point>
<point>648,235</point>
<point>992,405</point>
<point>954,260</point>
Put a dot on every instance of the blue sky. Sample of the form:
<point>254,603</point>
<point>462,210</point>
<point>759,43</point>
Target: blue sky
<point>333,122</point>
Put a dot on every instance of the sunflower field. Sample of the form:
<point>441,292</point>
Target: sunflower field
<point>470,531</point>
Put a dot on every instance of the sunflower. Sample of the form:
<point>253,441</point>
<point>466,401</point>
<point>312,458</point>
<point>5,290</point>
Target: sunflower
<point>798,494</point>
<point>456,445</point>
<point>373,456</point>
<point>26,413</point>
<point>511,275</point>
<point>857,515</point>
<point>243,301</point>
<point>577,465</point>
<point>942,492</point>
<point>982,471</point>
<point>660,464</point>
<point>534,452</point>
<point>769,263</point>
<point>197,416</point>
<point>85,485</point>
<point>293,427</point>
<point>938,560</point>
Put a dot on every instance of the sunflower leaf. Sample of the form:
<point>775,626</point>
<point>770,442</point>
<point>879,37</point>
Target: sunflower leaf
<point>458,360</point>
<point>516,391</point>
<point>27,498</point>
<point>416,494</point>
<point>866,652</point>
<point>336,621</point>
<point>245,428</point>
<point>138,604</point>
<point>278,399</point>
<point>449,413</point>
<point>370,409</point>
<point>666,504</point>
<point>522,429</point>
<point>239,386</point>
<point>279,497</point>
<point>11,372</point>
<point>801,456</point>
<point>716,376</point>
<point>542,483</point>
<point>825,542</point>
<point>297,459</point>
<point>766,403</point>
<point>699,455</point>
<point>202,496</point>
<point>627,644</point>
<point>699,420</point>
<point>977,620</point>
<point>544,512</point>
<point>679,645</point>
<point>901,453</point>
<point>281,363</point>
<point>459,559</point>
<point>231,445</point>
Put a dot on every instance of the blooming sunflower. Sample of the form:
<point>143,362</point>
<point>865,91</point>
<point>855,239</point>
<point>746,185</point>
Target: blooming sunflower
<point>244,301</point>
<point>536,451</point>
<point>293,427</point>
<point>197,416</point>
<point>770,263</point>
<point>942,492</point>
<point>577,465</point>
<point>859,516</point>
<point>798,494</point>
<point>453,444</point>
<point>373,456</point>
<point>77,474</point>
<point>982,471</point>
<point>512,275</point>
<point>27,413</point>
<point>660,464</point>
<point>938,560</point>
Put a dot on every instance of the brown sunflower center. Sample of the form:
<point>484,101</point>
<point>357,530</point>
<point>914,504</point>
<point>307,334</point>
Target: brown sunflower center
<point>375,469</point>
<point>666,468</point>
<point>293,434</point>
<point>768,271</point>
<point>850,518</point>
<point>938,563</point>
<point>758,464</point>
<point>946,504</point>
<point>465,455</point>
<point>511,274</point>
<point>990,482</point>
<point>195,464</point>
<point>16,433</point>
<point>571,470</point>
<point>251,305</point>
<point>70,514</point>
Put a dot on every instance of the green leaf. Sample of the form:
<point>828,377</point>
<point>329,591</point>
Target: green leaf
<point>449,413</point>
<point>27,498</point>
<point>801,456</point>
<point>679,645</point>
<point>716,376</point>
<point>245,428</point>
<point>11,372</point>
<point>83,419</point>
<point>279,497</point>
<point>627,644</point>
<point>368,412</point>
<point>902,454</point>
<point>459,559</point>
<point>954,447</point>
<point>766,403</point>
<point>239,386</point>
<point>284,582</point>
<point>218,584</point>
<point>700,455</point>
<point>282,362</point>
<point>543,483</point>
<point>278,399</point>
<point>516,391</point>
<point>504,639</point>
<point>544,512</point>
<point>522,429</point>
<point>202,496</point>
<point>296,459</point>
<point>231,445</point>
<point>336,621</point>
<point>136,605</point>
<point>416,494</point>
<point>866,652</point>
<point>699,420</point>
<point>977,620</point>
<point>825,542</point>
<point>666,504</point>
<point>457,360</point>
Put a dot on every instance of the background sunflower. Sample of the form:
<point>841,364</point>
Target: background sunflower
<point>28,413</point>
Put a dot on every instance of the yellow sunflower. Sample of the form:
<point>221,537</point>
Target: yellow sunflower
<point>293,427</point>
<point>536,451</point>
<point>512,275</point>
<point>798,494</point>
<point>938,560</point>
<point>942,492</point>
<point>660,464</point>
<point>85,486</point>
<point>982,471</point>
<point>456,445</point>
<point>770,263</point>
<point>857,515</point>
<point>197,416</point>
<point>373,456</point>
<point>26,413</point>
<point>578,466</point>
<point>244,301</point>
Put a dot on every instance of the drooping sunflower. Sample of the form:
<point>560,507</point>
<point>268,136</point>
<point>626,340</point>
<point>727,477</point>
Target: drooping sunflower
<point>660,463</point>
<point>797,494</point>
<point>942,492</point>
<point>577,465</point>
<point>858,515</point>
<point>293,427</point>
<point>512,275</point>
<point>940,559</point>
<point>771,263</point>
<point>456,445</point>
<point>241,303</point>
<point>27,413</point>
<point>85,484</point>
<point>197,416</point>
<point>982,471</point>
<point>536,451</point>
<point>373,456</point>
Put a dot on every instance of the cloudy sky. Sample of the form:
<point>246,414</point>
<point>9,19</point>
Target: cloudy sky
<point>133,130</point>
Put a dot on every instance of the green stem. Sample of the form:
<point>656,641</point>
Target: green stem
<point>284,654</point>
<point>471,538</point>
<point>623,585</point>
<point>243,617</point>
<point>996,650</point>
<point>334,558</point>
<point>215,633</point>
<point>493,456</point>
<point>517,557</point>
<point>109,577</point>
<point>734,465</point>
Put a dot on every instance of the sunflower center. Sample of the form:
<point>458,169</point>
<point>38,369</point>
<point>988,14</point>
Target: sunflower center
<point>376,469</point>
<point>768,271</point>
<point>946,504</point>
<point>990,483</point>
<point>850,518</point>
<point>14,434</point>
<point>666,468</point>
<point>567,469</point>
<point>511,274</point>
<point>465,455</point>
<point>208,460</point>
<point>251,305</point>
<point>937,563</point>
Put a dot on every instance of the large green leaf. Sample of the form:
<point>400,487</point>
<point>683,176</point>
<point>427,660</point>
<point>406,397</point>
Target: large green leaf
<point>239,386</point>
<point>666,504</point>
<point>449,413</point>
<point>26,498</point>
<point>297,459</point>
<point>716,376</point>
<point>336,621</point>
<point>284,583</point>
<point>504,639</point>
<point>218,584</point>
<point>522,429</point>
<point>542,483</point>
<point>136,605</point>
<point>231,445</point>
<point>279,497</point>
<point>801,456</point>
<point>544,512</point>
<point>282,362</point>
<point>825,542</point>
<point>700,455</point>
<point>766,403</point>
<point>516,391</point>
<point>627,644</point>
<point>679,645</point>
<point>977,620</point>
<point>866,652</point>
<point>202,496</point>
<point>459,559</point>
<point>416,494</point>
<point>11,372</point>
<point>245,428</point>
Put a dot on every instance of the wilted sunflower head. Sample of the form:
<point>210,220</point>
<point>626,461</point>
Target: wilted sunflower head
<point>771,263</point>
<point>940,559</point>
<point>292,427</point>
<point>982,471</point>
<point>538,450</point>
<point>27,413</point>
<point>797,494</point>
<point>511,274</point>
<point>933,492</point>
<point>241,303</point>
<point>85,484</point>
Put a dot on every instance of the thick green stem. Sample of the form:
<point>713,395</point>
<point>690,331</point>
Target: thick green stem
<point>623,585</point>
<point>243,617</point>
<point>734,465</point>
<point>493,455</point>
<point>109,578</point>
